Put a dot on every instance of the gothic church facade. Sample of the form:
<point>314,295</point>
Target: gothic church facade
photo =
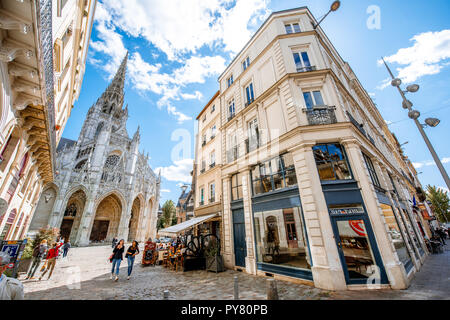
<point>104,187</point>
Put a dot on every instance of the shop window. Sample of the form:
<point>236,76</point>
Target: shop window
<point>372,172</point>
<point>396,234</point>
<point>236,187</point>
<point>331,162</point>
<point>281,238</point>
<point>275,174</point>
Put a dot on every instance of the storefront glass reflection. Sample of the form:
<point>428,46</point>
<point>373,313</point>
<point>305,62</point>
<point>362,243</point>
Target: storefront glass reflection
<point>356,248</point>
<point>396,235</point>
<point>280,238</point>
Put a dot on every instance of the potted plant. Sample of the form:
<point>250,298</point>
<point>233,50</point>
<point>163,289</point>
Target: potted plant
<point>214,260</point>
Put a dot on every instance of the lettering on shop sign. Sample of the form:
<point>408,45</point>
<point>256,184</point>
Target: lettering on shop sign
<point>342,211</point>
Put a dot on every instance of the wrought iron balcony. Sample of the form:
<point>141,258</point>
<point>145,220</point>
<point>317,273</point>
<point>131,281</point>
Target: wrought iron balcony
<point>231,116</point>
<point>202,170</point>
<point>212,200</point>
<point>249,102</point>
<point>232,154</point>
<point>202,203</point>
<point>306,69</point>
<point>358,125</point>
<point>204,143</point>
<point>212,165</point>
<point>321,115</point>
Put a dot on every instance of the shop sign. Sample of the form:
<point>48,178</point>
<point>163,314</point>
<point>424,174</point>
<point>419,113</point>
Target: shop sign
<point>346,211</point>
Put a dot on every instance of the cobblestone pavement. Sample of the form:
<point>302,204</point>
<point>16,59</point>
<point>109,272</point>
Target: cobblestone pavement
<point>85,275</point>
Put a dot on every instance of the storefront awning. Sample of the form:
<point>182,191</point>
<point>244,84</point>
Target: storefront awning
<point>178,228</point>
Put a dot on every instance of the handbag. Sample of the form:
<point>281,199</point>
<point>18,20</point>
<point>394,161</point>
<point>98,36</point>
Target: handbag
<point>111,258</point>
<point>43,266</point>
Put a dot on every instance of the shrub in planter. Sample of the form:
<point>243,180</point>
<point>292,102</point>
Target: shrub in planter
<point>214,260</point>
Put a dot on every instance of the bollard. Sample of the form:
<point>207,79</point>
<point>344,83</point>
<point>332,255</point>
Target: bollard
<point>236,288</point>
<point>166,294</point>
<point>272,291</point>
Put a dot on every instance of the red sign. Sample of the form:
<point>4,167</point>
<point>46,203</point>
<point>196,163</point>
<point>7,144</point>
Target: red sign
<point>358,227</point>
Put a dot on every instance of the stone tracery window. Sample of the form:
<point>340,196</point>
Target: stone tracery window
<point>111,165</point>
<point>112,161</point>
<point>80,165</point>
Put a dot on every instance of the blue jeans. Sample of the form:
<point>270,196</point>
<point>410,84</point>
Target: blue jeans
<point>130,265</point>
<point>116,265</point>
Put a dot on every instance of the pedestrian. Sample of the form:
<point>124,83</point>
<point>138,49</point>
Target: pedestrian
<point>38,253</point>
<point>66,248</point>
<point>441,234</point>
<point>10,289</point>
<point>114,242</point>
<point>51,260</point>
<point>116,258</point>
<point>132,251</point>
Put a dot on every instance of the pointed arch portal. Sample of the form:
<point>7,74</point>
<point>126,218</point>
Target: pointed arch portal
<point>107,219</point>
<point>72,216</point>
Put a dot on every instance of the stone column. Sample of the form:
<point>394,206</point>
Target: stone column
<point>394,269</point>
<point>250,259</point>
<point>327,270</point>
<point>87,220</point>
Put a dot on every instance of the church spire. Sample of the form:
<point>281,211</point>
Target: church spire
<point>115,92</point>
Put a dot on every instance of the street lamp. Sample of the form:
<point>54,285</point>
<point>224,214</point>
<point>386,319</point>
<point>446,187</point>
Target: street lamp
<point>334,7</point>
<point>414,115</point>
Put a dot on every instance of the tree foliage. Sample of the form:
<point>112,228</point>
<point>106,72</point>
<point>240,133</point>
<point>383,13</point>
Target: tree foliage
<point>168,212</point>
<point>440,203</point>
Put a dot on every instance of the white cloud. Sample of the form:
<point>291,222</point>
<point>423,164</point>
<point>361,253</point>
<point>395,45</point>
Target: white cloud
<point>180,171</point>
<point>429,163</point>
<point>427,56</point>
<point>166,191</point>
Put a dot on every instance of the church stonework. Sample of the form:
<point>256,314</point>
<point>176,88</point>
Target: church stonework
<point>104,187</point>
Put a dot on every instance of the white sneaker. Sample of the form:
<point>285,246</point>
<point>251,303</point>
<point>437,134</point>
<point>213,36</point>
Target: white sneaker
<point>116,279</point>
<point>111,276</point>
<point>128,278</point>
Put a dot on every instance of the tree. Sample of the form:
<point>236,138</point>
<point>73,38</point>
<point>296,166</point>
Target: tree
<point>440,202</point>
<point>168,211</point>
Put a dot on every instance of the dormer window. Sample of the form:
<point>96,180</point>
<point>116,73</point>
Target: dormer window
<point>230,81</point>
<point>292,28</point>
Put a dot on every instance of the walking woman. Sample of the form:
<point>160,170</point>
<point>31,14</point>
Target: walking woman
<point>132,251</point>
<point>38,253</point>
<point>117,258</point>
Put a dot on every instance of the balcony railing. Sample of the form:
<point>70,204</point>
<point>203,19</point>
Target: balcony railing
<point>202,170</point>
<point>249,102</point>
<point>306,69</point>
<point>202,203</point>
<point>358,125</point>
<point>231,116</point>
<point>233,154</point>
<point>212,165</point>
<point>251,144</point>
<point>204,143</point>
<point>212,200</point>
<point>321,115</point>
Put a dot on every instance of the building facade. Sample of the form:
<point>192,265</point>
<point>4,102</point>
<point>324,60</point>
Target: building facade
<point>313,186</point>
<point>208,155</point>
<point>104,187</point>
<point>43,49</point>
<point>184,210</point>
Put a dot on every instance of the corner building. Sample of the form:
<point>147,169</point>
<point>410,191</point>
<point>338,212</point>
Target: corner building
<point>314,189</point>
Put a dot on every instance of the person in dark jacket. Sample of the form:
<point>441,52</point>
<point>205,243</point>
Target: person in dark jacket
<point>38,253</point>
<point>66,248</point>
<point>117,258</point>
<point>114,242</point>
<point>132,251</point>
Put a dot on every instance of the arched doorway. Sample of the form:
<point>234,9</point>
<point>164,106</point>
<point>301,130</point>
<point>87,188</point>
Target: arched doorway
<point>134,220</point>
<point>107,219</point>
<point>72,215</point>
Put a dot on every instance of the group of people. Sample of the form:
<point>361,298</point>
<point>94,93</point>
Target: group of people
<point>43,252</point>
<point>117,257</point>
<point>439,234</point>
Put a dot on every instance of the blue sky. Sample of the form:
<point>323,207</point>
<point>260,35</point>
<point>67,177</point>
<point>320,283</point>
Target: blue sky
<point>179,47</point>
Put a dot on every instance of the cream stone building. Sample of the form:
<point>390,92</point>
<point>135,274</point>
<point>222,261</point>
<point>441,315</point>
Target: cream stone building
<point>42,59</point>
<point>104,187</point>
<point>314,189</point>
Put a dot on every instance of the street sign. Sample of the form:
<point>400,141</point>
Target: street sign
<point>15,250</point>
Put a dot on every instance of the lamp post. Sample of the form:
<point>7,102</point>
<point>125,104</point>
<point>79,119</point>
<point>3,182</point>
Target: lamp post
<point>414,115</point>
<point>334,7</point>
